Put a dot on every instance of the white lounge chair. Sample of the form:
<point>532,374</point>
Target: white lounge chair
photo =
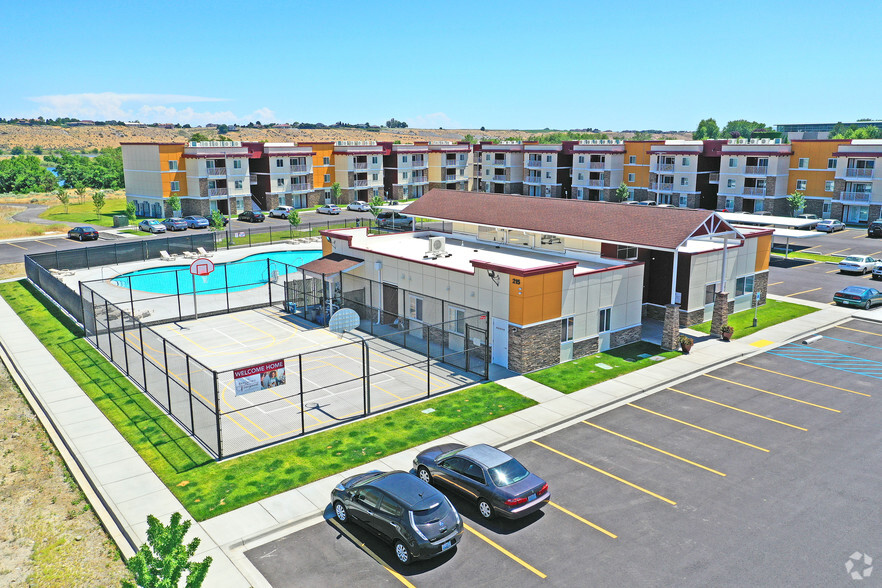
<point>202,252</point>
<point>164,256</point>
<point>190,255</point>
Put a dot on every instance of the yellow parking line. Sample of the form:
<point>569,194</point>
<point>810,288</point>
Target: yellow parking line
<point>803,292</point>
<point>772,393</point>
<point>505,551</point>
<point>370,552</point>
<point>605,473</point>
<point>858,331</point>
<point>756,367</point>
<point>664,416</point>
<point>578,518</point>
<point>19,246</point>
<point>861,236</point>
<point>45,243</point>
<point>739,409</point>
<point>841,250</point>
<point>669,454</point>
<point>775,283</point>
<point>833,271</point>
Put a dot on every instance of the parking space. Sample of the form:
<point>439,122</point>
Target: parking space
<point>763,471</point>
<point>815,281</point>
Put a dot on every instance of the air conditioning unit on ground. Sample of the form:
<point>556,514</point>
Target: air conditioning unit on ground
<point>437,248</point>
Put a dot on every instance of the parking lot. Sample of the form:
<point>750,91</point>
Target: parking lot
<point>762,472</point>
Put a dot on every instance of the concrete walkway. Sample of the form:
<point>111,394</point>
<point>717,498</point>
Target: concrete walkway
<point>125,490</point>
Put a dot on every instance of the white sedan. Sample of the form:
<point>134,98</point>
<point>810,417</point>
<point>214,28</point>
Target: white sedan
<point>359,206</point>
<point>858,264</point>
<point>281,211</point>
<point>329,209</point>
<point>829,225</point>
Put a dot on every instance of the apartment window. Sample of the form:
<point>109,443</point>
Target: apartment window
<point>376,192</point>
<point>828,186</point>
<point>825,212</point>
<point>280,163</point>
<point>403,175</point>
<point>580,176</point>
<point>803,163</point>
<point>375,177</point>
<point>566,329</point>
<point>743,285</point>
<point>581,159</point>
<point>800,184</point>
<point>733,162</point>
<point>626,252</point>
<point>374,160</point>
<point>684,201</point>
<point>327,195</point>
<point>415,308</point>
<point>730,204</point>
<point>685,162</point>
<point>631,177</point>
<point>462,156</point>
<point>831,163</point>
<point>710,291</point>
<point>547,175</point>
<point>237,184</point>
<point>175,186</point>
<point>548,158</point>
<point>327,178</point>
<point>280,182</point>
<point>404,159</point>
<point>730,183</point>
<point>237,164</point>
<point>457,320</point>
<point>684,181</point>
<point>486,172</point>
<point>326,161</point>
<point>173,166</point>
<point>632,159</point>
<point>603,322</point>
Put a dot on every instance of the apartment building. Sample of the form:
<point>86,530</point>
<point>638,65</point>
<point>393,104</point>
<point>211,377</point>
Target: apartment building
<point>323,170</point>
<point>547,170</point>
<point>281,174</point>
<point>856,183</point>
<point>405,170</point>
<point>358,168</point>
<point>753,176</point>
<point>451,166</point>
<point>501,167</point>
<point>597,169</point>
<point>680,173</point>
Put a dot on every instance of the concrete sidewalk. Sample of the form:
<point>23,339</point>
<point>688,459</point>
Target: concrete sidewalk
<point>115,476</point>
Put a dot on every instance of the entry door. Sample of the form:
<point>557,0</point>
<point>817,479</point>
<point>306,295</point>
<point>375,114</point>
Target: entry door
<point>390,304</point>
<point>500,342</point>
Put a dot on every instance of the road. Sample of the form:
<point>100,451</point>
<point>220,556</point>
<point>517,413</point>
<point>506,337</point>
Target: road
<point>763,472</point>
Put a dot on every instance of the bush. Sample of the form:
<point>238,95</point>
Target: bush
<point>17,150</point>
<point>130,212</point>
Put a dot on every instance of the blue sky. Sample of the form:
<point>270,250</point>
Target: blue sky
<point>513,64</point>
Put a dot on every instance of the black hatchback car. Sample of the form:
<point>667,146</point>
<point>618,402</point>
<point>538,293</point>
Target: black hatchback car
<point>415,518</point>
<point>875,229</point>
<point>251,216</point>
<point>496,481</point>
<point>83,234</point>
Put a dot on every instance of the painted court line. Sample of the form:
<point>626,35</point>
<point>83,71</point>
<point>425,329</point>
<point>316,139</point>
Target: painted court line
<point>578,518</point>
<point>670,418</point>
<point>801,379</point>
<point>505,551</point>
<point>669,454</point>
<point>368,551</point>
<point>738,409</point>
<point>605,473</point>
<point>772,393</point>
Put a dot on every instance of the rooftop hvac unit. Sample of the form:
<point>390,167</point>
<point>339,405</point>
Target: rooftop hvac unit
<point>437,247</point>
<point>764,141</point>
<point>777,141</point>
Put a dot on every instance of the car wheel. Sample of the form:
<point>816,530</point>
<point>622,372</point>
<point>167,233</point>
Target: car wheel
<point>80,237</point>
<point>340,512</point>
<point>402,552</point>
<point>866,305</point>
<point>485,509</point>
<point>424,475</point>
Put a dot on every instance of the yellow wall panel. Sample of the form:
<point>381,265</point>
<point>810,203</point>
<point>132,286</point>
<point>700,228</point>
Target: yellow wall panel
<point>763,250</point>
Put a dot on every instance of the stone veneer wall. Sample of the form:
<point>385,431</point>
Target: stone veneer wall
<point>532,348</point>
<point>195,206</point>
<point>692,317</point>
<point>585,347</point>
<point>625,336</point>
<point>761,285</point>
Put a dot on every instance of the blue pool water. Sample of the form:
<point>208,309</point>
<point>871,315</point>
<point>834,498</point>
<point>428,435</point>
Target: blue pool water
<point>250,272</point>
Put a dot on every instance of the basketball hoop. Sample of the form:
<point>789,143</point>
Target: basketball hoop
<point>200,267</point>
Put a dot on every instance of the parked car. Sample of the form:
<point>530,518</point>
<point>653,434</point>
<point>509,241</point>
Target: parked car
<point>329,209</point>
<point>760,213</point>
<point>390,202</point>
<point>858,264</point>
<point>281,211</point>
<point>860,296</point>
<point>175,224</point>
<point>829,225</point>
<point>811,217</point>
<point>251,216</point>
<point>83,234</point>
<point>418,520</point>
<point>496,481</point>
<point>151,226</point>
<point>874,229</point>
<point>395,220</point>
<point>196,222</point>
<point>359,206</point>
<point>877,272</point>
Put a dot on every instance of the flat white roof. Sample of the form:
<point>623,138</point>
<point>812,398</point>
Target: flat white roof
<point>772,221</point>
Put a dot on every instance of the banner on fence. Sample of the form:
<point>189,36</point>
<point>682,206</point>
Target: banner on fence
<point>259,377</point>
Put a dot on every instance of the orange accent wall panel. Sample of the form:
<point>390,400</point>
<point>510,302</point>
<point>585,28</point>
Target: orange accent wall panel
<point>763,250</point>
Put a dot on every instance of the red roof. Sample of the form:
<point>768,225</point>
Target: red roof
<point>647,226</point>
<point>331,264</point>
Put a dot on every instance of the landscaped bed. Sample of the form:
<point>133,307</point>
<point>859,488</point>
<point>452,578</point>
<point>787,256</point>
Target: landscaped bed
<point>208,488</point>
<point>771,313</point>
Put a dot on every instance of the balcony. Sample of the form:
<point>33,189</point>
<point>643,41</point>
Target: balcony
<point>859,172</point>
<point>534,163</point>
<point>665,167</point>
<point>299,169</point>
<point>419,163</point>
<point>498,163</point>
<point>533,180</point>
<point>714,178</point>
<point>756,170</point>
<point>217,171</point>
<point>302,187</point>
<point>359,183</point>
<point>450,179</point>
<point>657,187</point>
<point>601,165</point>
<point>748,191</point>
<point>359,165</point>
<point>451,163</point>
<point>419,179</point>
<point>499,178</point>
<point>599,184</point>
<point>856,196</point>
<point>212,192</point>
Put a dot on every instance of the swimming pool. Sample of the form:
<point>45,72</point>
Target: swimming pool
<point>244,274</point>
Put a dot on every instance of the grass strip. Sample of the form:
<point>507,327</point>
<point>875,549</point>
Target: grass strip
<point>771,313</point>
<point>85,213</point>
<point>586,371</point>
<point>208,488</point>
<point>809,256</point>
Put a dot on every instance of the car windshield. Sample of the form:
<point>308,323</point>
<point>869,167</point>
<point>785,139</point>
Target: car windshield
<point>853,290</point>
<point>508,473</point>
<point>433,514</point>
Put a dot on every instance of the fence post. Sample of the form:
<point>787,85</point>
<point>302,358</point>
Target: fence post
<point>302,414</point>
<point>165,369</point>
<point>227,287</point>
<point>249,236</point>
<point>83,307</point>
<point>122,322</point>
<point>428,365</point>
<point>178,288</point>
<point>217,422</point>
<point>366,362</point>
<point>109,329</point>
<point>131,297</point>
<point>190,396</point>
<point>269,279</point>
<point>86,251</point>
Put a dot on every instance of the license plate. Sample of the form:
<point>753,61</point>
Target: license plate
<point>446,545</point>
<point>531,498</point>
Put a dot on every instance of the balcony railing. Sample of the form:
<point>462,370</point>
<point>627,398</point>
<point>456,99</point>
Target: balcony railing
<point>359,165</point>
<point>533,180</point>
<point>450,179</point>
<point>756,169</point>
<point>419,179</point>
<point>748,191</point>
<point>599,183</point>
<point>665,167</point>
<point>302,187</point>
<point>859,172</point>
<point>217,192</point>
<point>419,163</point>
<point>299,169</point>
<point>659,187</point>
<point>359,183</point>
<point>499,178</point>
<point>596,165</point>
<point>534,163</point>
<point>714,178</point>
<point>217,171</point>
<point>856,196</point>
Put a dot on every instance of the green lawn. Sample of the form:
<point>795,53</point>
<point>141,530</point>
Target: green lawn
<point>85,213</point>
<point>581,373</point>
<point>812,256</point>
<point>208,488</point>
<point>136,232</point>
<point>771,313</point>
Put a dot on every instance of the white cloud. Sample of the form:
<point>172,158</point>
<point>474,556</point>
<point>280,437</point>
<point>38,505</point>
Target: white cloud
<point>147,108</point>
<point>432,121</point>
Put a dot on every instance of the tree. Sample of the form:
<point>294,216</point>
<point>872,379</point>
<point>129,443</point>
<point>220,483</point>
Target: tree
<point>336,193</point>
<point>294,219</point>
<point>796,201</point>
<point>17,150</point>
<point>622,193</point>
<point>37,150</point>
<point>743,128</point>
<point>130,212</point>
<point>396,124</point>
<point>707,129</point>
<point>483,129</point>
<point>198,137</point>
<point>641,136</point>
<point>63,197</point>
<point>223,129</point>
<point>23,174</point>
<point>375,204</point>
<point>98,201</point>
<point>162,561</point>
<point>469,138</point>
<point>217,219</point>
<point>80,189</point>
<point>174,201</point>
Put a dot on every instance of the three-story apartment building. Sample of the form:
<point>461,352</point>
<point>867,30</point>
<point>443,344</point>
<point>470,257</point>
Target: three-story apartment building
<point>281,174</point>
<point>547,170</point>
<point>597,169</point>
<point>753,176</point>
<point>502,168</point>
<point>358,168</point>
<point>857,183</point>
<point>451,166</point>
<point>405,170</point>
